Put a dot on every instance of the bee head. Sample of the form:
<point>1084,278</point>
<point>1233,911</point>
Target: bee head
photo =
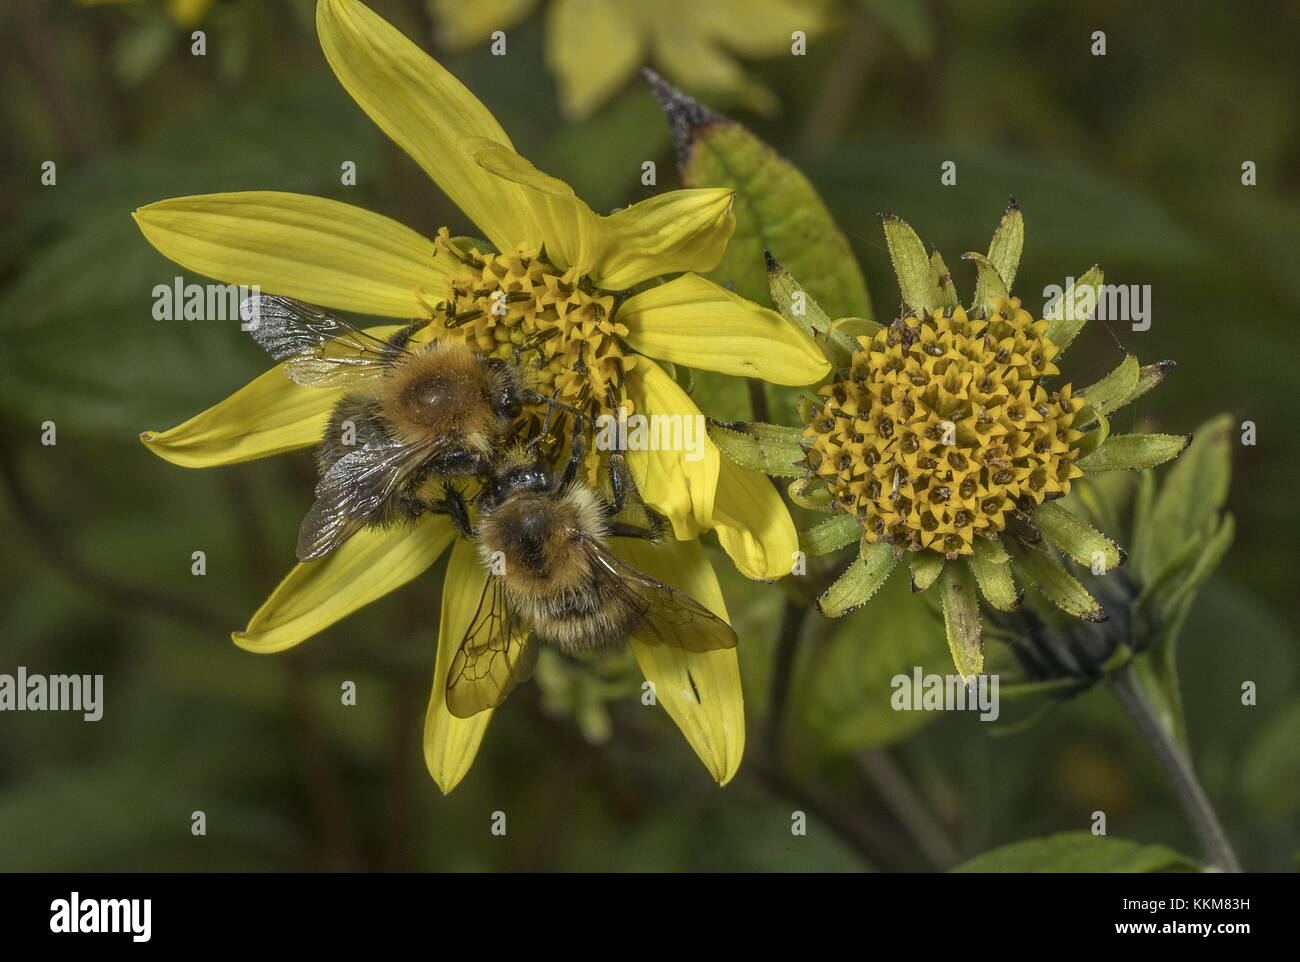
<point>516,472</point>
<point>507,388</point>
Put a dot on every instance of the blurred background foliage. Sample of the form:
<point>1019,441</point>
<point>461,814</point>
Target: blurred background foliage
<point>1131,160</point>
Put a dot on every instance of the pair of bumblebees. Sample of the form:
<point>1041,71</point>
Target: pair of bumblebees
<point>428,418</point>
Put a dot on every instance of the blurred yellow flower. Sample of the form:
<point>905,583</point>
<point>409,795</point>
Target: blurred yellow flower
<point>594,46</point>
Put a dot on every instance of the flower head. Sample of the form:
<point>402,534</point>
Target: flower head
<point>945,437</point>
<point>940,428</point>
<point>553,286</point>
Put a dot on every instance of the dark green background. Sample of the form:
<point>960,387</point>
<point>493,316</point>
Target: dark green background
<point>1132,161</point>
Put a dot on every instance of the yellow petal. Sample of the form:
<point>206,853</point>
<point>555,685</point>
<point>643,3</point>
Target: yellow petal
<point>681,230</point>
<point>678,483</point>
<point>460,24</point>
<point>321,251</point>
<point>450,743</point>
<point>574,236</point>
<point>695,322</point>
<point>752,523</point>
<point>693,59</point>
<point>426,111</point>
<point>268,416</point>
<point>592,48</point>
<point>767,24</point>
<point>367,566</point>
<point>713,722</point>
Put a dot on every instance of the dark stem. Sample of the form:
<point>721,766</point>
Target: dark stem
<point>758,400</point>
<point>908,807</point>
<point>1128,692</point>
<point>878,847</point>
<point>793,619</point>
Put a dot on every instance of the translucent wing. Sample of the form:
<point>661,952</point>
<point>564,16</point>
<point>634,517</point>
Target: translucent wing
<point>354,489</point>
<point>319,349</point>
<point>497,653</point>
<point>668,616</point>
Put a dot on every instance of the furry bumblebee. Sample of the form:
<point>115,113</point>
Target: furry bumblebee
<point>555,580</point>
<point>418,417</point>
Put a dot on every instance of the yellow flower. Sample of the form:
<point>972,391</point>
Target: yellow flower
<point>941,437</point>
<point>343,257</point>
<point>594,46</point>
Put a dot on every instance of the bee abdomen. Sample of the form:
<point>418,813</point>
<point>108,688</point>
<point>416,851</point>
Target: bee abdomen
<point>355,422</point>
<point>584,621</point>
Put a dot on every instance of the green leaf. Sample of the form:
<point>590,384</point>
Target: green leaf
<point>926,566</point>
<point>988,287</point>
<point>856,327</point>
<point>777,209</point>
<point>860,580</point>
<point>992,549</point>
<point>1052,581</point>
<point>994,578</point>
<point>1008,241</point>
<point>1076,538</point>
<point>942,279</point>
<point>1065,318</point>
<point>810,493</point>
<point>1114,389</point>
<point>1096,436</point>
<point>911,266</point>
<point>961,619</point>
<point>831,534</point>
<point>1079,852</point>
<point>771,449</point>
<point>1132,452</point>
<point>799,308</point>
<point>1149,375</point>
<point>1193,493</point>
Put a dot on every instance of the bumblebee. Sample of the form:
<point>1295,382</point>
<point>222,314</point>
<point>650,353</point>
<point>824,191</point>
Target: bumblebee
<point>553,579</point>
<point>416,418</point>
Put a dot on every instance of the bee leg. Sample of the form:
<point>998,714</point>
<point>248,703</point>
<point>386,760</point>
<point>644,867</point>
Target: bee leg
<point>546,422</point>
<point>453,505</point>
<point>577,451</point>
<point>621,529</point>
<point>402,338</point>
<point>624,489</point>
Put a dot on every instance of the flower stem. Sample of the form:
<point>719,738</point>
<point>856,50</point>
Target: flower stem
<point>1128,692</point>
<point>794,619</point>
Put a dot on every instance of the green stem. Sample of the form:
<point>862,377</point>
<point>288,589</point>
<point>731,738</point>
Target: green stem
<point>1128,692</point>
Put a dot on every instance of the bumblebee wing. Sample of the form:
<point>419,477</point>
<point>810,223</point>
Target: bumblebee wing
<point>319,349</point>
<point>497,653</point>
<point>353,490</point>
<point>669,616</point>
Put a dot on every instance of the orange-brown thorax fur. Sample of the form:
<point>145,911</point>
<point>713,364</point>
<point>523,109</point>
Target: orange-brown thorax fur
<point>444,390</point>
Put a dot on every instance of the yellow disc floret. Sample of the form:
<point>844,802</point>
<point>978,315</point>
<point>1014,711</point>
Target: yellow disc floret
<point>556,324</point>
<point>939,428</point>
